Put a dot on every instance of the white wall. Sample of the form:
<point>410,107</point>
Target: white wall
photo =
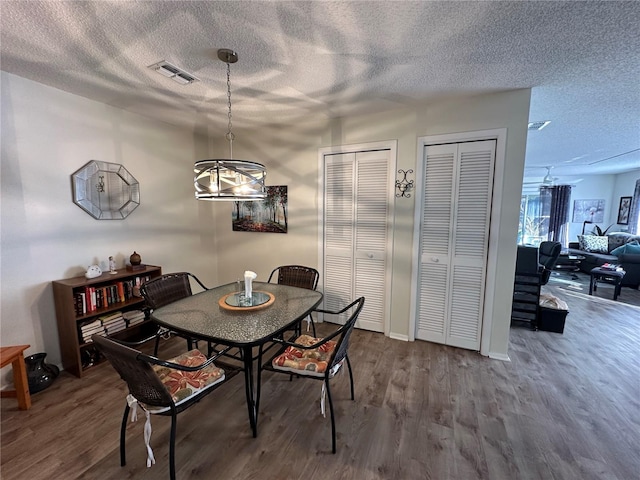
<point>47,135</point>
<point>623,186</point>
<point>592,187</point>
<point>608,188</point>
<point>291,155</point>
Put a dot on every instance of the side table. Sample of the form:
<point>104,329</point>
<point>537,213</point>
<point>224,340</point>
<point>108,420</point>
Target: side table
<point>609,276</point>
<point>569,262</point>
<point>14,355</point>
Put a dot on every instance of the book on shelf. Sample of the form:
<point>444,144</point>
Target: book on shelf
<point>80,303</point>
<point>133,317</point>
<point>120,291</point>
<point>89,328</point>
<point>116,326</point>
<point>110,316</point>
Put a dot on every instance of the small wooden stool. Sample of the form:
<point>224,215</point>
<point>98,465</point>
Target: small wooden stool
<point>13,355</point>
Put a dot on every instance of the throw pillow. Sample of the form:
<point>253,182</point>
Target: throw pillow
<point>631,248</point>
<point>596,244</point>
<point>581,244</point>
<point>617,240</point>
<point>619,251</point>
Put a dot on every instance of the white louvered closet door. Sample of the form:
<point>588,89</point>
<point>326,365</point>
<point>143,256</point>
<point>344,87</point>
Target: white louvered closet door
<point>357,233</point>
<point>339,199</point>
<point>454,241</point>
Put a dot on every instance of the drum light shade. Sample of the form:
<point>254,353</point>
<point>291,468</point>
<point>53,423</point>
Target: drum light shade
<point>232,180</point>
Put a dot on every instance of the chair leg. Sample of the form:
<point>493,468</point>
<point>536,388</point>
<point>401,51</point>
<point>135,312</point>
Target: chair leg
<point>350,376</point>
<point>157,345</point>
<point>333,420</point>
<point>313,326</point>
<point>123,431</point>
<point>172,447</point>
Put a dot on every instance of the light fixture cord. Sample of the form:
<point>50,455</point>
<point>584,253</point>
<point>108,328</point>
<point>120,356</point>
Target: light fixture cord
<point>229,135</point>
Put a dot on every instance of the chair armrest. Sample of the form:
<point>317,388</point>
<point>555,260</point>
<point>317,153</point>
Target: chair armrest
<point>310,347</point>
<point>198,281</point>
<point>175,366</point>
<point>325,339</point>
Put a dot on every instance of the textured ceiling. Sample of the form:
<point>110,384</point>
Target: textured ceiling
<point>322,59</point>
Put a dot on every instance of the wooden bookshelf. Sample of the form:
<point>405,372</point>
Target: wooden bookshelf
<point>70,316</point>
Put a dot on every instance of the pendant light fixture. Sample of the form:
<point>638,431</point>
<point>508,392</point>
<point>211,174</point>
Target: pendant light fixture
<point>228,179</point>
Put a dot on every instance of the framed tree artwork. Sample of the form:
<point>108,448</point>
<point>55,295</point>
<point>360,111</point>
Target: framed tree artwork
<point>268,215</point>
<point>623,210</point>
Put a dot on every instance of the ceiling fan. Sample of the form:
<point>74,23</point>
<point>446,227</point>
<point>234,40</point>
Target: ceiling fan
<point>548,180</point>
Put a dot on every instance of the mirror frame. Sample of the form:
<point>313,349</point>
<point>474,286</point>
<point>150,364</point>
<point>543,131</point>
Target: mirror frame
<point>111,199</point>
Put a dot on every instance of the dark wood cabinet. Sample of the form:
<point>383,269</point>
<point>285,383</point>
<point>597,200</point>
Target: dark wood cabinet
<point>80,301</point>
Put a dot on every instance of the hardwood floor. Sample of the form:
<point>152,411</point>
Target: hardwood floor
<point>566,407</point>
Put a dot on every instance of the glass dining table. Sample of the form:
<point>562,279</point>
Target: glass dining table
<point>221,317</point>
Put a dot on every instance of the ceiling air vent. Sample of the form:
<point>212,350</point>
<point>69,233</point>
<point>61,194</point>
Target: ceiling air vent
<point>538,125</point>
<point>174,73</point>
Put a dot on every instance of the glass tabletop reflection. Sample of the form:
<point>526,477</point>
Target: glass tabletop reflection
<point>201,316</point>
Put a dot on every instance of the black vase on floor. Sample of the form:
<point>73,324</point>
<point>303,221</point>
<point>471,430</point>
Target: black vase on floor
<point>40,375</point>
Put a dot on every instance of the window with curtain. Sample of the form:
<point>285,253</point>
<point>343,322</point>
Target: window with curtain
<point>533,226</point>
<point>554,203</point>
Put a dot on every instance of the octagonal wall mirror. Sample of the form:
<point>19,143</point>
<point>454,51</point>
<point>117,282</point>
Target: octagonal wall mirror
<point>106,191</point>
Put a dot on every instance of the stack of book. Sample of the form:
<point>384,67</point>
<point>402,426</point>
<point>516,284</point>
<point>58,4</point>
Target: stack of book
<point>88,329</point>
<point>610,266</point>
<point>133,317</point>
<point>114,322</point>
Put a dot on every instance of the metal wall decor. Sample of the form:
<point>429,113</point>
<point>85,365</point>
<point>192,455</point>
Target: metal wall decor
<point>106,191</point>
<point>403,185</point>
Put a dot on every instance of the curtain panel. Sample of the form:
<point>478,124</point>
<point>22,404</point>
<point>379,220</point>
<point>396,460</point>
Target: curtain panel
<point>634,211</point>
<point>555,204</point>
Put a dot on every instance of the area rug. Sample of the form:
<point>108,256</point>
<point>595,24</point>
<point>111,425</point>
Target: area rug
<point>578,282</point>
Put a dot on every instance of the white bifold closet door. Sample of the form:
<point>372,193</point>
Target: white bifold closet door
<point>356,233</point>
<point>455,211</point>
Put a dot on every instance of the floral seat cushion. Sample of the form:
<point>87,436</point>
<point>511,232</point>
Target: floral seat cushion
<point>181,384</point>
<point>312,362</point>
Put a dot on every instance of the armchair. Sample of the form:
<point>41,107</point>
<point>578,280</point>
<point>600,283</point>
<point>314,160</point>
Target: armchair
<point>548,255</point>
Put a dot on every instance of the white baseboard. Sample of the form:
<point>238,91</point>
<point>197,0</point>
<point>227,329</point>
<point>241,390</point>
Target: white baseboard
<point>499,356</point>
<point>399,336</point>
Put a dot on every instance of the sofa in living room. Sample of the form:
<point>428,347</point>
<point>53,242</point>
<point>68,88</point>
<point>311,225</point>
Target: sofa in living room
<point>620,248</point>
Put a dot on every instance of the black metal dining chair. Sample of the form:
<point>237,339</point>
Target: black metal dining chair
<point>319,358</point>
<point>160,387</point>
<point>166,289</point>
<point>297,276</point>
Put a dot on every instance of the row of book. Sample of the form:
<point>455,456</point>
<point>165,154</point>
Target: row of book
<point>110,324</point>
<point>91,298</point>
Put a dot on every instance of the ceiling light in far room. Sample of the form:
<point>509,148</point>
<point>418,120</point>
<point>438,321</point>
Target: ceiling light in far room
<point>176,74</point>
<point>228,179</point>
<point>538,125</point>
